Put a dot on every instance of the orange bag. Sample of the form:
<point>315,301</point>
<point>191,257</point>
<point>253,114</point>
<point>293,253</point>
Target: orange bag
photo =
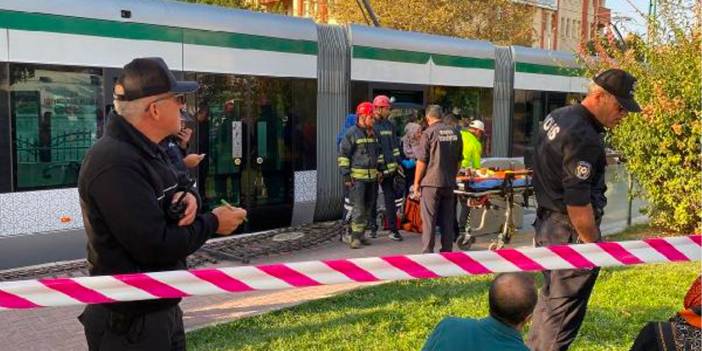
<point>413,216</point>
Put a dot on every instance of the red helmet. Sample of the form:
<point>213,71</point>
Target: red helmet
<point>364,109</point>
<point>381,101</point>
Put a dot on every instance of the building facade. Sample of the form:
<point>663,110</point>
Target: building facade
<point>566,24</point>
<point>318,9</point>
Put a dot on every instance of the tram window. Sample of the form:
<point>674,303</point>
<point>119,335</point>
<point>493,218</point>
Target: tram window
<point>255,131</point>
<point>528,112</point>
<point>304,123</point>
<point>5,127</point>
<point>55,111</point>
<point>473,103</point>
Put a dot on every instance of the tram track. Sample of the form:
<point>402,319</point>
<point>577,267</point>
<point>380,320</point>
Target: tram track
<point>239,248</point>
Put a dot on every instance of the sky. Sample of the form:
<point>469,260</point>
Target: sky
<point>626,18</point>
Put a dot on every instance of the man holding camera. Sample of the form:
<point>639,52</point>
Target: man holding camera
<point>137,216</point>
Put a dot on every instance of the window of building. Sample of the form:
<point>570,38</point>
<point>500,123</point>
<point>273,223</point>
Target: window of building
<point>55,112</point>
<point>563,28</point>
<point>577,29</point>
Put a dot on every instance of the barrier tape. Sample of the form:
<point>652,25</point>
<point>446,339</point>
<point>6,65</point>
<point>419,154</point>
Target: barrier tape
<point>144,286</point>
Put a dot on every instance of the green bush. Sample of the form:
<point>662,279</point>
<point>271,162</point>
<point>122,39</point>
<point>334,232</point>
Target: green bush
<point>662,143</point>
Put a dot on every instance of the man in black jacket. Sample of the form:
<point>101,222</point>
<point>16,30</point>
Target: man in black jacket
<point>137,216</point>
<point>569,182</point>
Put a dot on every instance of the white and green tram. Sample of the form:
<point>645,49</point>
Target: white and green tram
<point>275,91</point>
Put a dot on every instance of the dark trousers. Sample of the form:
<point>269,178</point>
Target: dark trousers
<point>563,299</point>
<point>388,187</point>
<point>155,331</point>
<point>438,206</point>
<point>363,195</point>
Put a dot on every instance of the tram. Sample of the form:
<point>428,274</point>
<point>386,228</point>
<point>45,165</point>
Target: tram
<point>274,93</point>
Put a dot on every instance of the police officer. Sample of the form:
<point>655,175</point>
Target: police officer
<point>390,146</point>
<point>569,180</point>
<point>131,202</point>
<point>361,164</point>
<point>438,158</point>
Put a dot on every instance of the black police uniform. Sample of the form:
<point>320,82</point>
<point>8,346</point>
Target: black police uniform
<point>569,169</point>
<point>126,186</point>
<point>441,149</point>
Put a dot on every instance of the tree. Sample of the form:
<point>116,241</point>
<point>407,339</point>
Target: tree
<point>239,4</point>
<point>662,143</point>
<point>503,22</point>
<point>242,4</point>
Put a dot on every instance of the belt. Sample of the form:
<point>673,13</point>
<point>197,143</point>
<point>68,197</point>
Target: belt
<point>543,212</point>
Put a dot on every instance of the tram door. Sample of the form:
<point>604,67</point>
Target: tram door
<point>249,163</point>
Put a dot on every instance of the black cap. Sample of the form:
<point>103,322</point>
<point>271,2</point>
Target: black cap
<point>620,84</point>
<point>147,77</point>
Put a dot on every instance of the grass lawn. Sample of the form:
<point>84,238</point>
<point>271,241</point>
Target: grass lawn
<point>400,315</point>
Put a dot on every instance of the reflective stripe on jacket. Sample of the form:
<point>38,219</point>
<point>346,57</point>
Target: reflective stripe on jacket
<point>389,144</point>
<point>359,155</point>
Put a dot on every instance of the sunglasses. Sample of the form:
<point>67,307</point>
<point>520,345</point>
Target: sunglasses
<point>620,108</point>
<point>178,98</point>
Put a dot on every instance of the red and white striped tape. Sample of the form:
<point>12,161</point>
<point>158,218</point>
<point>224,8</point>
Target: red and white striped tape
<point>143,286</point>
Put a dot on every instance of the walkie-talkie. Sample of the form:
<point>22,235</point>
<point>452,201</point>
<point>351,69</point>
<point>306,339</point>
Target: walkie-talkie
<point>176,210</point>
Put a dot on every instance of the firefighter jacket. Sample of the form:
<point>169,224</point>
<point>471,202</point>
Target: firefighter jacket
<point>389,143</point>
<point>359,155</point>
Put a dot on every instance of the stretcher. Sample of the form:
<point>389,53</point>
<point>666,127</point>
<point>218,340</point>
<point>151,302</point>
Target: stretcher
<point>478,191</point>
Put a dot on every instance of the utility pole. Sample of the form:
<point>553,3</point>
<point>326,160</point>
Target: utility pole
<point>651,17</point>
<point>371,13</point>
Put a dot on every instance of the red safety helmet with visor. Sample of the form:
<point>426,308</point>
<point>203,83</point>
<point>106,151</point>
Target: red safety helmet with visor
<point>364,109</point>
<point>381,101</point>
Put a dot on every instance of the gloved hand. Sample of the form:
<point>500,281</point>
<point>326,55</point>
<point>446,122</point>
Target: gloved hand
<point>408,164</point>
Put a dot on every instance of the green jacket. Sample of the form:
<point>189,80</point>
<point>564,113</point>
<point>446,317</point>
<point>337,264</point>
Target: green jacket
<point>360,156</point>
<point>458,334</point>
<point>472,149</point>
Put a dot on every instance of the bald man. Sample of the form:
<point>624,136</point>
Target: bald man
<point>512,299</point>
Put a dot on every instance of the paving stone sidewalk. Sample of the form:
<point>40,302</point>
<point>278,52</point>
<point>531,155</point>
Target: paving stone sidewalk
<point>58,329</point>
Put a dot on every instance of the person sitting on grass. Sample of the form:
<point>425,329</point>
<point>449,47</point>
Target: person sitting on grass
<point>512,298</point>
<point>681,332</point>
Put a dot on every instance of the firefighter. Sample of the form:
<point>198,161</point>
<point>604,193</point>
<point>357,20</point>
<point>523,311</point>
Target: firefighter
<point>390,147</point>
<point>361,164</point>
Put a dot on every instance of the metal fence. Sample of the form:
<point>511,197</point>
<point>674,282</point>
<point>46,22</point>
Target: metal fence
<point>66,147</point>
